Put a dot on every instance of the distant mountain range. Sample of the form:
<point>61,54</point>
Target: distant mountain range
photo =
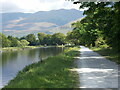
<point>49,22</point>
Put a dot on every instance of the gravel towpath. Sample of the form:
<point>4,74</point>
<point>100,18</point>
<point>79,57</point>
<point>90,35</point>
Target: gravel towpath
<point>95,71</point>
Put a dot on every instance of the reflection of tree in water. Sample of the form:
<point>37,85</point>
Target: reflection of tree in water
<point>56,50</point>
<point>24,52</point>
<point>42,53</point>
<point>52,51</point>
<point>32,53</point>
<point>9,56</point>
<point>0,59</point>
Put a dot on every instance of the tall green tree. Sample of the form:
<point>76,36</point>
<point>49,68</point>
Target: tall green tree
<point>14,41</point>
<point>24,42</point>
<point>4,42</point>
<point>41,37</point>
<point>48,39</point>
<point>58,39</point>
<point>107,20</point>
<point>31,39</point>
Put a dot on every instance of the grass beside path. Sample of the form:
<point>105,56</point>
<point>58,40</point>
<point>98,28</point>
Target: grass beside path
<point>53,72</point>
<point>107,53</point>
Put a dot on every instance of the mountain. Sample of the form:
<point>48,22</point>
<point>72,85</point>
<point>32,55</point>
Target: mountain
<point>64,28</point>
<point>20,24</point>
<point>14,16</point>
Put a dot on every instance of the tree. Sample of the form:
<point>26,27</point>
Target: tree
<point>4,42</point>
<point>24,43</point>
<point>14,41</point>
<point>58,39</point>
<point>107,18</point>
<point>48,39</point>
<point>73,37</point>
<point>41,37</point>
<point>31,39</point>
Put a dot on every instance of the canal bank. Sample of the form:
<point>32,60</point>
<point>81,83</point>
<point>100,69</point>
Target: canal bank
<point>53,72</point>
<point>14,61</point>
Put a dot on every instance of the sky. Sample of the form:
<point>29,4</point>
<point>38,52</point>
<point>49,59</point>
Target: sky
<point>31,6</point>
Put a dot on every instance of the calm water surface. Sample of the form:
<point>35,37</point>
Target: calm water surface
<point>12,62</point>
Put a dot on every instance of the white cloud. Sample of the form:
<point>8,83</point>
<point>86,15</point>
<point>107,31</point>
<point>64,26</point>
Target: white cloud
<point>10,7</point>
<point>36,5</point>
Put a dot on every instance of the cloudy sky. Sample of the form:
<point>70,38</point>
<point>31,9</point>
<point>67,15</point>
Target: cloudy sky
<point>30,6</point>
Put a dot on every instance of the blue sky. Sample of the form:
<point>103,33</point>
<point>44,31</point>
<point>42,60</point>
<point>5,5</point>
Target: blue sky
<point>31,6</point>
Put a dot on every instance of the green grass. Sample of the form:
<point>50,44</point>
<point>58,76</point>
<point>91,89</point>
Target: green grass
<point>108,53</point>
<point>54,72</point>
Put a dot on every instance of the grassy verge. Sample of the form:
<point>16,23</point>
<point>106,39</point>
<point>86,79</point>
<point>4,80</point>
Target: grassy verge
<point>107,53</point>
<point>54,72</point>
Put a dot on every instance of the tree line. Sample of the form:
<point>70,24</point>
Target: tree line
<point>32,40</point>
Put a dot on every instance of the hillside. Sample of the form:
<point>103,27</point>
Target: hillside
<point>20,24</point>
